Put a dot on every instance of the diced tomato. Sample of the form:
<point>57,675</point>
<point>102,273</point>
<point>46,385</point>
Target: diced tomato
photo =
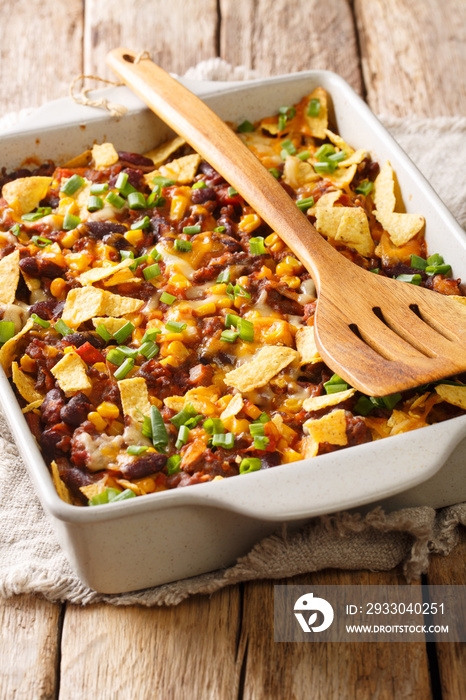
<point>89,354</point>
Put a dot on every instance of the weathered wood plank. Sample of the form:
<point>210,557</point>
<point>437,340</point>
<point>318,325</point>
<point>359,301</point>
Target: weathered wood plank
<point>29,648</point>
<point>178,34</point>
<point>175,653</point>
<point>281,37</point>
<point>451,657</point>
<point>326,670</point>
<point>40,51</point>
<point>413,55</point>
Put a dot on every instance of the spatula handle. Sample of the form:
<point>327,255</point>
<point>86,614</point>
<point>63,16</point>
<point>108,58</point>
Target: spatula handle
<point>218,144</point>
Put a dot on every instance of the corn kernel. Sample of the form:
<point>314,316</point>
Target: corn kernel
<point>78,262</point>
<point>249,223</point>
<point>224,303</point>
<point>291,282</point>
<point>290,455</point>
<point>179,350</point>
<point>295,264</point>
<point>68,205</point>
<point>237,425</point>
<point>206,309</point>
<point>108,410</point>
<point>283,269</point>
<point>179,281</point>
<point>178,207</point>
<point>146,485</point>
<point>69,238</point>
<point>27,363</point>
<point>170,360</point>
<point>138,335</point>
<point>223,402</point>
<point>240,301</point>
<point>100,366</point>
<point>265,272</point>
<point>252,411</point>
<point>134,236</point>
<point>97,420</point>
<point>68,349</point>
<point>57,287</point>
<point>155,401</point>
<point>274,243</point>
<point>218,289</point>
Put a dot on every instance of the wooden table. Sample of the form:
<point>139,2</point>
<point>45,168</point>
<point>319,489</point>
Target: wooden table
<point>404,57</point>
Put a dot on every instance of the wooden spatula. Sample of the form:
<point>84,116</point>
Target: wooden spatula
<point>381,335</point>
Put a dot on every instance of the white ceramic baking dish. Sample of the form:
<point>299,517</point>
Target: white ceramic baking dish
<point>175,534</point>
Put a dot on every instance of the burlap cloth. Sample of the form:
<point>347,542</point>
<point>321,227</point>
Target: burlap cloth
<point>31,560</point>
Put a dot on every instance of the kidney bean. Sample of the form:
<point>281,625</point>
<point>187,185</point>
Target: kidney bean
<point>78,339</point>
<point>143,466</point>
<point>74,478</point>
<point>48,310</point>
<point>54,441</point>
<point>117,240</point>
<point>51,406</point>
<point>98,229</point>
<point>135,160</point>
<point>40,267</point>
<point>270,459</point>
<point>202,195</point>
<point>75,411</point>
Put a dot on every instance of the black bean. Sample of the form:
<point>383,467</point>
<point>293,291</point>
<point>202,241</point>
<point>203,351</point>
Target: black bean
<point>143,466</point>
<point>51,406</point>
<point>75,411</point>
<point>117,240</point>
<point>270,459</point>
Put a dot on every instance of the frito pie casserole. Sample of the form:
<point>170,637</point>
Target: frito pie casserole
<point>159,334</point>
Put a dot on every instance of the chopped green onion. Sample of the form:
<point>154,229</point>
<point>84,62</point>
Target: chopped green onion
<point>173,465</point>
<point>275,172</point>
<point>304,155</point>
<point>245,126</point>
<point>124,369</point>
<point>189,230</point>
<point>288,147</point>
<point>337,157</point>
<point>411,279</point>
<point>335,384</point>
<point>257,246</point>
<point>15,230</point>
<point>250,464</point>
<point>151,335</point>
<point>40,321</point>
<point>72,185</point>
<point>365,187</point>
<point>128,352</point>
<point>151,271</point>
<point>7,331</point>
<point>183,434</point>
<point>115,356</point>
<point>282,122</point>
<point>232,192</point>
<point>375,270</point>
<point>213,426</point>
<point>125,254</point>
<point>364,405</point>
<point>192,422</point>
<point>289,112</point>
<point>99,187</point>
<point>418,262</point>
<point>314,107</point>
<point>123,496</point>
<point>305,204</point>
<point>124,332</point>
<point>62,328</point>
<point>219,229</point>
<point>121,181</point>
<point>155,200</point>
<point>167,298</point>
<point>246,330</point>
<point>159,432</point>
<point>136,449</point>
<point>175,326</point>
<point>102,331</point>
<point>239,291</point>
<point>142,223</point>
<point>224,276</point>
<point>136,200</point>
<point>40,241</point>
<point>149,350</point>
<point>324,152</point>
<point>391,400</point>
<point>184,415</point>
<point>38,214</point>
<point>163,181</point>
<point>115,200</point>
<point>183,246</point>
<point>137,262</point>
<point>232,320</point>
<point>261,442</point>
<point>226,440</point>
<point>263,418</point>
<point>199,185</point>
<point>435,259</point>
<point>326,167</point>
<point>105,496</point>
<point>70,222</point>
<point>257,429</point>
<point>146,425</point>
<point>229,336</point>
<point>95,203</point>
<point>155,255</point>
<point>438,269</point>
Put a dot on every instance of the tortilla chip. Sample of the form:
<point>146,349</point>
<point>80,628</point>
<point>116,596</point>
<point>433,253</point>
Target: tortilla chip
<point>202,398</point>
<point>183,169</point>
<point>354,159</point>
<point>306,346</point>
<point>315,403</point>
<point>104,155</point>
<point>70,373</point>
<point>383,194</point>
<point>272,128</point>
<point>455,395</point>
<point>354,231</point>
<point>328,220</point>
<point>401,422</point>
<point>339,142</point>
<point>330,428</point>
<point>175,403</point>
<point>82,304</point>
<point>32,283</point>
<point>81,198</point>
<point>259,371</point>
<point>318,125</point>
<point>161,153</point>
<point>342,177</point>
<point>297,173</point>
<point>328,199</point>
<point>116,305</point>
<point>10,348</point>
<point>80,161</point>
<point>25,193</point>
<point>309,447</point>
<point>99,273</point>
<point>32,406</point>
<point>25,384</point>
<point>111,324</point>
<point>9,277</point>
<point>400,227</point>
<point>233,408</point>
<point>60,485</point>
<point>125,484</point>
<point>134,397</point>
<point>122,277</point>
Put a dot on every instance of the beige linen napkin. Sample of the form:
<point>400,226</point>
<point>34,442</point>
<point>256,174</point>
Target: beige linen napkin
<point>31,560</point>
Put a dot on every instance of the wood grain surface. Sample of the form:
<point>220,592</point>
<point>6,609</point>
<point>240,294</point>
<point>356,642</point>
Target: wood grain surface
<point>406,57</point>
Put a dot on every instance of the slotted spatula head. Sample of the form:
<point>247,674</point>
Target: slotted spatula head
<point>380,335</point>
